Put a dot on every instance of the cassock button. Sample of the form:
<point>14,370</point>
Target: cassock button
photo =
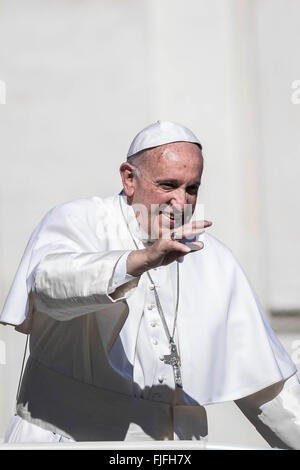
<point>152,286</point>
<point>153,324</point>
<point>160,379</point>
<point>154,341</point>
<point>161,357</point>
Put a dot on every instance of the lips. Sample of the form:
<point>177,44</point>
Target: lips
<point>168,214</point>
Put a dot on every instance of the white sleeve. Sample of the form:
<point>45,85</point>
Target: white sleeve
<point>277,419</point>
<point>68,285</point>
<point>120,275</point>
<point>282,414</point>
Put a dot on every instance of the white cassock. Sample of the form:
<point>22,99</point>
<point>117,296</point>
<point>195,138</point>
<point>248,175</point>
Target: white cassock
<point>96,369</point>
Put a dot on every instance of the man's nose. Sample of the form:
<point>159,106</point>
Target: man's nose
<point>179,199</point>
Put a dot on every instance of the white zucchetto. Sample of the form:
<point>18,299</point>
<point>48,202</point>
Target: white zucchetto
<point>160,133</point>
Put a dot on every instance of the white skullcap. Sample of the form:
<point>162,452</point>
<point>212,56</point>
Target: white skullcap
<point>160,133</point>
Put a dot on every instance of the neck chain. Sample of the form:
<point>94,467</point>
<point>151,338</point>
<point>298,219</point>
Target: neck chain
<point>173,358</point>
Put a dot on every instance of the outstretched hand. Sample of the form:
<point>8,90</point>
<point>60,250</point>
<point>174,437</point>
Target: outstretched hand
<point>166,249</point>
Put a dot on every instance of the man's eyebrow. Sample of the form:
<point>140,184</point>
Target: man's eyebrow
<point>174,180</point>
<point>169,180</point>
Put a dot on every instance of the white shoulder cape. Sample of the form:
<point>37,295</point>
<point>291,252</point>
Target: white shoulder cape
<point>228,348</point>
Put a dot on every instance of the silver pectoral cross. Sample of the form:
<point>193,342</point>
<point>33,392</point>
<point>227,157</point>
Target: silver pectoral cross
<point>173,359</point>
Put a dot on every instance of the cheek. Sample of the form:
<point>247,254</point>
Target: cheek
<point>192,201</point>
<point>154,196</point>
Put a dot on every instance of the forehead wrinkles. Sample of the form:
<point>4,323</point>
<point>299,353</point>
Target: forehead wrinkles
<point>173,156</point>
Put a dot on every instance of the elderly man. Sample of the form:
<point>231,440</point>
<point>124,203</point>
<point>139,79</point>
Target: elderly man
<point>137,318</point>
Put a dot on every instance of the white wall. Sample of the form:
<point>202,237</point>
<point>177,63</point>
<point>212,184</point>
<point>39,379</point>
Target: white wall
<point>83,77</point>
<point>78,88</point>
<point>276,37</point>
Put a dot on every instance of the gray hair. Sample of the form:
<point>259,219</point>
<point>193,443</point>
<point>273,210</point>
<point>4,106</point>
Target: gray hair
<point>137,161</point>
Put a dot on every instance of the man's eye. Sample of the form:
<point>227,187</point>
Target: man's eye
<point>192,190</point>
<point>167,186</point>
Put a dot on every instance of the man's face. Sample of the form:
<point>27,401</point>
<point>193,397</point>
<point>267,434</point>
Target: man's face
<point>169,179</point>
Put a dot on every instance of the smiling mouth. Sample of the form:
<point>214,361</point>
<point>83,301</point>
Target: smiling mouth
<point>168,214</point>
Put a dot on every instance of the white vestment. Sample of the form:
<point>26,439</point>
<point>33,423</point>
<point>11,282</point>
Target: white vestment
<point>96,369</point>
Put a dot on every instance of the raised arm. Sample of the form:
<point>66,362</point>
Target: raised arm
<point>71,284</point>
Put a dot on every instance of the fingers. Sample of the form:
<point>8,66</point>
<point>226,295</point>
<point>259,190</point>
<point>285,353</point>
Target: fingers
<point>165,251</point>
<point>188,231</point>
<point>195,246</point>
<point>183,248</point>
<point>202,223</point>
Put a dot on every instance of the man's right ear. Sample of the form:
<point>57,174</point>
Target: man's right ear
<point>127,172</point>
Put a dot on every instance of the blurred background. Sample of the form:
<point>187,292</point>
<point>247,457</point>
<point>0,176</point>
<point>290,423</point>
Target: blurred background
<point>79,78</point>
